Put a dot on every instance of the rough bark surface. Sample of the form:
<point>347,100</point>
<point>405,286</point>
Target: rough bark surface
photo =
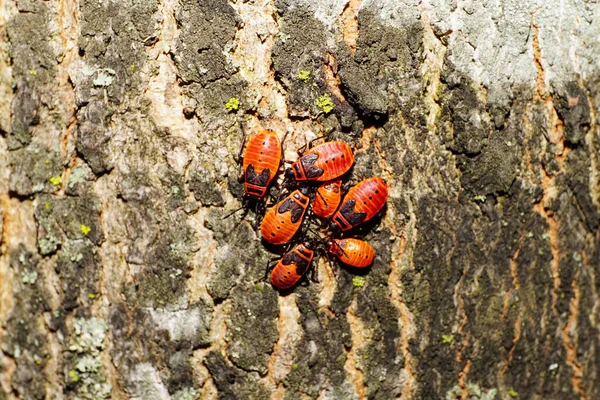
<point>119,278</point>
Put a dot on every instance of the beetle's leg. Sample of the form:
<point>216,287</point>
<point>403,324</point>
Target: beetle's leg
<point>311,143</point>
<point>268,268</point>
<point>240,159</point>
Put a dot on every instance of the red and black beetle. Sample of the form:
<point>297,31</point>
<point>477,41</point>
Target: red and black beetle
<point>261,162</point>
<point>361,203</point>
<point>328,198</point>
<point>282,221</point>
<point>353,252</point>
<point>293,265</point>
<point>321,163</point>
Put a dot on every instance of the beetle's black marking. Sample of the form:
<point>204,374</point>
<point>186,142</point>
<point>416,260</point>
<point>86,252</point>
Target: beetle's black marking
<point>313,172</point>
<point>263,178</point>
<point>297,213</point>
<point>301,266</point>
<point>341,223</point>
<point>250,174</point>
<point>308,160</point>
<point>254,191</point>
<point>305,252</point>
<point>353,217</point>
<point>303,200</point>
<point>259,180</point>
<point>290,258</point>
<point>286,205</point>
<point>297,170</point>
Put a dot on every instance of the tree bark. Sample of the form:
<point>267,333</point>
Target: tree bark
<point>120,124</point>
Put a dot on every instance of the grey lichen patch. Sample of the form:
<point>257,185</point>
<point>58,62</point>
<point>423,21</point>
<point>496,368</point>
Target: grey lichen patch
<point>577,178</point>
<point>86,377</point>
<point>80,180</point>
<point>494,170</point>
<point>33,67</point>
<point>162,280</point>
<point>479,249</point>
<point>145,18</point>
<point>462,122</point>
<point>573,107</point>
<point>382,361</point>
<point>74,218</point>
<point>475,392</point>
<point>186,394</point>
<point>384,55</point>
<point>112,37</point>
<point>239,257</point>
<point>301,46</point>
<point>211,99</point>
<point>228,267</point>
<point>109,45</point>
<point>430,285</point>
<point>34,170</point>
<point>253,310</point>
<point>191,325</point>
<point>206,29</point>
<point>204,184</point>
<point>321,352</point>
<point>25,340</point>
<point>233,383</point>
<point>79,267</point>
<point>93,136</point>
<point>145,383</point>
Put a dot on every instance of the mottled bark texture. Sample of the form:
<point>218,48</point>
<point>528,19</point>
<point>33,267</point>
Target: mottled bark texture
<point>120,279</point>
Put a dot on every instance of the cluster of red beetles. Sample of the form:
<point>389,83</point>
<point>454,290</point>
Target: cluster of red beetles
<point>316,175</point>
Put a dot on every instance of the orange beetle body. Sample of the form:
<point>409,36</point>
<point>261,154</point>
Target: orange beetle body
<point>293,265</point>
<point>281,222</point>
<point>261,162</point>
<point>360,204</point>
<point>353,252</point>
<point>328,198</point>
<point>324,162</point>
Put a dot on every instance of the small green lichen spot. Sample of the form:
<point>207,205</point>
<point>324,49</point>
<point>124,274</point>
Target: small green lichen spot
<point>74,375</point>
<point>325,103</point>
<point>85,229</point>
<point>232,105</point>
<point>46,205</point>
<point>480,197</point>
<point>447,338</point>
<point>294,366</point>
<point>358,281</point>
<point>91,296</point>
<point>56,180</point>
<point>259,287</point>
<point>303,75</point>
<point>29,277</point>
<point>512,392</point>
<point>32,72</point>
<point>132,68</point>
